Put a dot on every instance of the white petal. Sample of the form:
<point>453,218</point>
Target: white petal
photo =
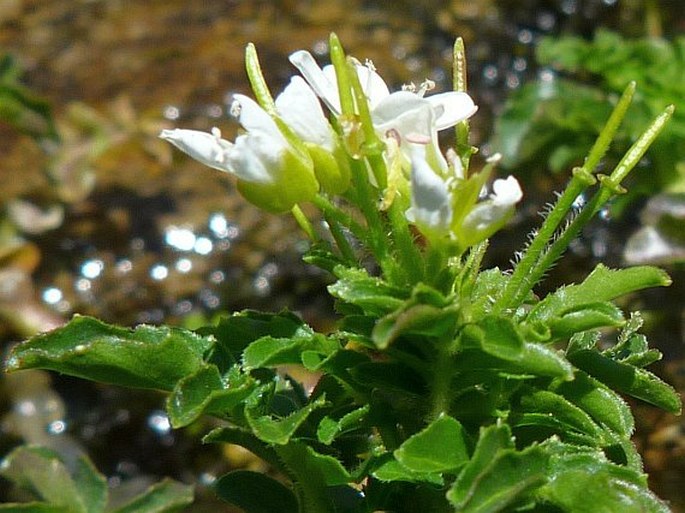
<point>320,82</point>
<point>404,112</point>
<point>299,107</point>
<point>430,199</point>
<point>373,85</point>
<point>451,108</point>
<point>254,118</point>
<point>255,158</point>
<point>506,192</point>
<point>209,149</point>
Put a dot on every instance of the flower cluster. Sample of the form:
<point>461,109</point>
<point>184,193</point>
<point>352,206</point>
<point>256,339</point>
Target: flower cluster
<point>290,153</point>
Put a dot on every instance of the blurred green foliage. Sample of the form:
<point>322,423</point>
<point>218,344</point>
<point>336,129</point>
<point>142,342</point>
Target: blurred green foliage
<point>548,124</point>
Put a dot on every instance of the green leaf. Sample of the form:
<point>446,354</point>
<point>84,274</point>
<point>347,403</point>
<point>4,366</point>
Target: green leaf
<point>497,476</point>
<point>628,379</point>
<point>204,392</point>
<point>535,360</point>
<point>329,429</point>
<point>496,336</point>
<point>41,471</point>
<point>167,496</point>
<point>310,463</point>
<point>440,447</point>
<point>392,470</point>
<point>92,485</point>
<point>271,352</point>
<point>595,315</point>
<point>255,492</point>
<point>492,441</point>
<point>572,417</point>
<point>601,285</point>
<point>279,431</point>
<point>372,295</point>
<point>235,332</point>
<point>418,319</point>
<point>146,357</point>
<point>587,483</point>
<point>600,402</point>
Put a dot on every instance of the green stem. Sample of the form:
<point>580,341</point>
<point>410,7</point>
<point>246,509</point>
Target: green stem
<point>460,83</point>
<point>441,387</point>
<point>609,187</point>
<point>341,217</point>
<point>341,240</point>
<point>536,260</point>
<point>607,134</point>
<point>405,248</point>
<point>520,281</point>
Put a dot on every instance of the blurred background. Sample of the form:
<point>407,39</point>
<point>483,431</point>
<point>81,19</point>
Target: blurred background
<point>100,217</point>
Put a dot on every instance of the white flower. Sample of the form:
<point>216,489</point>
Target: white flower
<point>402,111</point>
<point>254,157</point>
<point>490,215</point>
<point>272,172</point>
<point>431,208</point>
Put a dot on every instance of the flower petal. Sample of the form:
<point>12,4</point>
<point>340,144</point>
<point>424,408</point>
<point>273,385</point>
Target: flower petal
<point>256,158</point>
<point>506,192</point>
<point>299,107</point>
<point>451,108</point>
<point>209,149</point>
<point>430,199</point>
<point>373,85</point>
<point>253,118</point>
<point>406,113</point>
<point>320,82</point>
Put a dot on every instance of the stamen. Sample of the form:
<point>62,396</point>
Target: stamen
<point>411,87</point>
<point>426,85</point>
<point>235,109</point>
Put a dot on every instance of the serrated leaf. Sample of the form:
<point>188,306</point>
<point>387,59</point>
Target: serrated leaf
<point>627,379</point>
<point>204,392</point>
<point>568,415</point>
<point>587,317</point>
<point>235,332</point>
<point>369,293</point>
<point>167,496</point>
<point>535,360</point>
<point>440,447</point>
<point>602,284</point>
<point>418,319</point>
<point>145,357</point>
<point>279,431</point>
<point>271,352</point>
<point>600,402</point>
<point>311,463</point>
<point>492,441</point>
<point>393,470</point>
<point>586,483</point>
<point>496,336</point>
<point>255,492</point>
<point>508,477</point>
<point>329,429</point>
